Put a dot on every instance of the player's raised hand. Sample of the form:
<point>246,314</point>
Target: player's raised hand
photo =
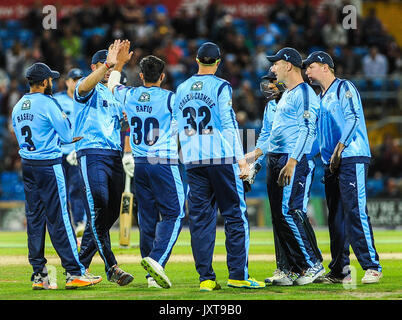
<point>113,50</point>
<point>124,55</point>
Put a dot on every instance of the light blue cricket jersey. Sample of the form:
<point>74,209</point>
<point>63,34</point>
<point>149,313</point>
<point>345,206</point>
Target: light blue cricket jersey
<point>263,138</point>
<point>207,126</point>
<point>149,113</point>
<point>293,128</point>
<point>67,104</point>
<point>342,120</point>
<point>40,127</point>
<point>97,120</point>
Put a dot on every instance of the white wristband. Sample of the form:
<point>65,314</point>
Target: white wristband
<point>114,79</point>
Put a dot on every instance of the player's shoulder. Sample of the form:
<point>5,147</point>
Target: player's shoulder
<point>346,87</point>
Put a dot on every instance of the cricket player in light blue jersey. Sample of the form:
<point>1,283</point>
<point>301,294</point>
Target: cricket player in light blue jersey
<point>273,91</point>
<point>345,151</point>
<point>97,120</point>
<point>41,127</point>
<point>158,184</point>
<point>75,189</point>
<point>290,141</point>
<point>215,165</point>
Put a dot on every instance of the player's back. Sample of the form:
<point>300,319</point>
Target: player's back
<point>149,113</point>
<point>40,127</point>
<point>203,107</point>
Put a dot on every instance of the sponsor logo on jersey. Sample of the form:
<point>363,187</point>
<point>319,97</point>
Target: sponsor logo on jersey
<point>196,86</point>
<point>144,97</point>
<point>26,105</point>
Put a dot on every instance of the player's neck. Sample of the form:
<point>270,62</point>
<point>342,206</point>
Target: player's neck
<point>293,81</point>
<point>326,83</point>
<point>70,93</point>
<point>151,84</point>
<point>203,70</point>
<point>36,90</point>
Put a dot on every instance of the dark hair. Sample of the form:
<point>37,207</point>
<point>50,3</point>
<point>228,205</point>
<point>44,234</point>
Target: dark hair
<point>207,60</point>
<point>152,68</point>
<point>35,83</point>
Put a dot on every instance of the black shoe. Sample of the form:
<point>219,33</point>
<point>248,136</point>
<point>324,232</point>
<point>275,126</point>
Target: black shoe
<point>122,278</point>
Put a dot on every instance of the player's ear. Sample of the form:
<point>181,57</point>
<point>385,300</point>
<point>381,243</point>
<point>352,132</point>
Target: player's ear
<point>162,77</point>
<point>93,67</point>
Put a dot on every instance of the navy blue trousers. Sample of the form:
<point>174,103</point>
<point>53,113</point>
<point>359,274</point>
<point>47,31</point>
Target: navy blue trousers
<point>103,177</point>
<point>46,207</point>
<point>75,192</point>
<point>287,211</point>
<point>348,221</point>
<point>161,208</point>
<point>211,188</point>
<point>281,260</point>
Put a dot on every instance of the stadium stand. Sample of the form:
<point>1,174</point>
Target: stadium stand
<point>245,42</point>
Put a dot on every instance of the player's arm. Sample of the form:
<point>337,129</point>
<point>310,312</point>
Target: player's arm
<point>230,128</point>
<point>350,105</point>
<point>261,147</point>
<point>89,83</point>
<point>60,122</point>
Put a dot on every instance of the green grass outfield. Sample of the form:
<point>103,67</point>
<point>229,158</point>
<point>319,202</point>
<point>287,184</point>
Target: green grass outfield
<point>15,272</point>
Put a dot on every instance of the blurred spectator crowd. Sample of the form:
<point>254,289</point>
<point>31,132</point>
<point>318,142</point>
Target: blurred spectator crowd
<point>368,55</point>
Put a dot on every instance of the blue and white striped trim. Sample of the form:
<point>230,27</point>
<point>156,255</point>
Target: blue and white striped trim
<point>361,197</point>
<point>61,187</point>
<point>91,207</point>
<point>177,225</point>
<point>287,191</point>
<point>309,179</point>
<point>243,208</point>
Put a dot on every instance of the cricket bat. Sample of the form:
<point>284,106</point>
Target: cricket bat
<point>126,213</point>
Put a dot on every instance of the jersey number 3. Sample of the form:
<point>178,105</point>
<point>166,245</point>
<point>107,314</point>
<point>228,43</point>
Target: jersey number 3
<point>27,133</point>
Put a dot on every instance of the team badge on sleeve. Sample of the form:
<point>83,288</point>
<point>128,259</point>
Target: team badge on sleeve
<point>348,94</point>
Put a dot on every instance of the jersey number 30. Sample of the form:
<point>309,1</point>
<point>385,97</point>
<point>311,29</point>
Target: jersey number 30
<point>151,130</point>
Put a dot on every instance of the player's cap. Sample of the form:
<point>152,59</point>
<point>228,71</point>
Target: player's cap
<point>123,78</point>
<point>75,74</point>
<point>40,71</point>
<point>269,76</point>
<point>319,56</point>
<point>210,51</point>
<point>288,54</point>
<point>99,56</point>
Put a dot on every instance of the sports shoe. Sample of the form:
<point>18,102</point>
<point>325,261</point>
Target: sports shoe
<point>41,281</point>
<point>278,273</point>
<point>250,283</point>
<point>122,278</point>
<point>152,283</point>
<point>95,279</point>
<point>330,278</point>
<point>74,282</point>
<point>79,230</point>
<point>156,271</point>
<point>289,280</point>
<point>209,285</point>
<point>310,274</point>
<point>372,276</point>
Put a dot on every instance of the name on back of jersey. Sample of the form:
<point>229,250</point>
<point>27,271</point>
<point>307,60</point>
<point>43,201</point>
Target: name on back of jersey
<point>141,108</point>
<point>25,116</point>
<point>196,96</point>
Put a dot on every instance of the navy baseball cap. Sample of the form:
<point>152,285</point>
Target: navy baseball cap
<point>319,56</point>
<point>75,73</point>
<point>99,56</point>
<point>288,54</point>
<point>40,71</point>
<point>269,76</point>
<point>209,50</point>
